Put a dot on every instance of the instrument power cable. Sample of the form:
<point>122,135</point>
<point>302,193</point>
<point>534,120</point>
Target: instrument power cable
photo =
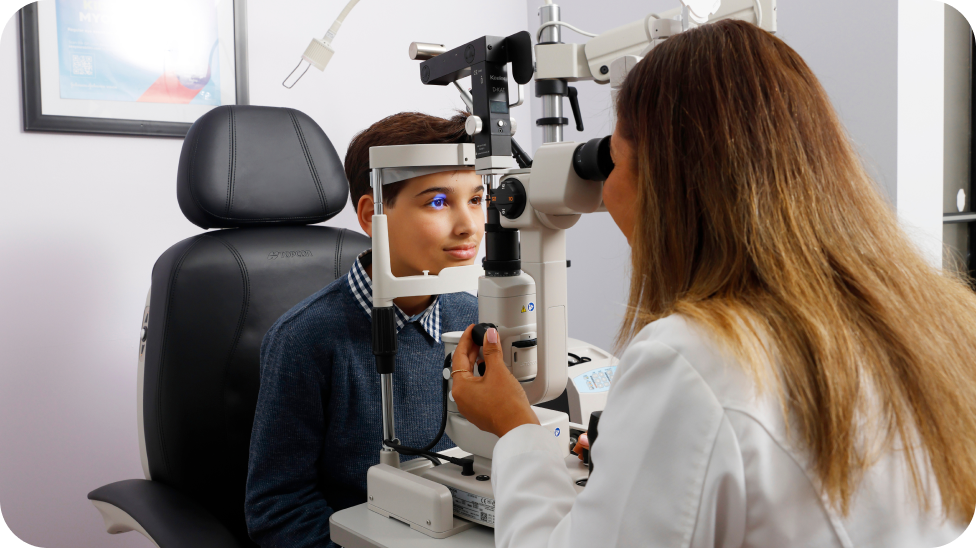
<point>467,463</point>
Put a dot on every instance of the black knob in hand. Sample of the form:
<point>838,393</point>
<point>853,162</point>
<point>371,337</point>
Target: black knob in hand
<point>479,331</point>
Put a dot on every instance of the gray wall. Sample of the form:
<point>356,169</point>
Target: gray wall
<point>957,120</point>
<point>851,47</point>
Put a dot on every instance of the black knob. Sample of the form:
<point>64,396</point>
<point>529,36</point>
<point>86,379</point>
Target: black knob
<point>592,160</point>
<point>528,343</point>
<point>479,331</point>
<point>509,198</point>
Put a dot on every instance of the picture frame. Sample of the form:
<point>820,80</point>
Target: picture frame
<point>53,101</point>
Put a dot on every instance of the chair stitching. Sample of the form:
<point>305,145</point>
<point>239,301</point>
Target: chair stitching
<point>338,253</point>
<point>232,160</point>
<point>162,353</point>
<point>189,175</point>
<point>226,217</point>
<point>309,162</point>
<point>241,318</point>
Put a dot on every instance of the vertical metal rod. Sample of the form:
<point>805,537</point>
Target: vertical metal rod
<point>376,180</point>
<point>552,105</point>
<point>386,379</point>
<point>550,12</point>
<point>386,397</point>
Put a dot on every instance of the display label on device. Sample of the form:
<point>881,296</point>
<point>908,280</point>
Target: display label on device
<point>473,507</point>
<point>597,380</point>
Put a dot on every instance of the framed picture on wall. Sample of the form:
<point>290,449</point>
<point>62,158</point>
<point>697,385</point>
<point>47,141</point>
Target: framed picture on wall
<point>134,67</point>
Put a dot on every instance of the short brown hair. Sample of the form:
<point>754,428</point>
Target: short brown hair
<point>404,128</point>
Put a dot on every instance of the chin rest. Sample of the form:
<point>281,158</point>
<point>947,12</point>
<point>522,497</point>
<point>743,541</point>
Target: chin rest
<point>259,173</point>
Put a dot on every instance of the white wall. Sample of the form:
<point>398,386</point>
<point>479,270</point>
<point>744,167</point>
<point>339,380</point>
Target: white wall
<point>850,45</point>
<point>83,218</point>
<point>921,84</point>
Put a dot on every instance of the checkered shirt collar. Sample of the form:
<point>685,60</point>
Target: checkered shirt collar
<point>362,289</point>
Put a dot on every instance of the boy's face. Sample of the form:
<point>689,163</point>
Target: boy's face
<point>437,221</point>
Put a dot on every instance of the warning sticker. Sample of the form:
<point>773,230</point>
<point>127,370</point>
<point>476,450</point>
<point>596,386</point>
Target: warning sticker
<point>473,507</point>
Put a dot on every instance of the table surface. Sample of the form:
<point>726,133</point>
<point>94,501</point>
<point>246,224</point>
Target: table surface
<point>359,527</point>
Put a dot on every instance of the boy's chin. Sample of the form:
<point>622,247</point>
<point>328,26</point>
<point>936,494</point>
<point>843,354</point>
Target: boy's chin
<point>455,261</point>
<point>458,262</point>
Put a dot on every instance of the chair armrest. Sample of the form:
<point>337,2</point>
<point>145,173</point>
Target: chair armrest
<point>164,515</point>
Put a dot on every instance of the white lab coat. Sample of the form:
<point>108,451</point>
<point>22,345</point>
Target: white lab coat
<point>689,456</point>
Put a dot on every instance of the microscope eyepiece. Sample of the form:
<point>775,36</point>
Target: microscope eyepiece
<point>592,161</point>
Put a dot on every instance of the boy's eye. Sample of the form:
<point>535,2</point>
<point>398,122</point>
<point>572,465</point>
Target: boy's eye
<point>439,201</point>
<point>476,200</point>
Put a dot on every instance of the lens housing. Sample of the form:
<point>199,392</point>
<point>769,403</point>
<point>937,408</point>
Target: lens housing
<point>592,161</point>
<point>502,253</point>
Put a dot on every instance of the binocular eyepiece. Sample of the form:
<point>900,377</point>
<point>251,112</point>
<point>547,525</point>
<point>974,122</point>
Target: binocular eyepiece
<point>592,160</point>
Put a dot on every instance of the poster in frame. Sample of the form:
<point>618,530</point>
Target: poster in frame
<point>130,68</point>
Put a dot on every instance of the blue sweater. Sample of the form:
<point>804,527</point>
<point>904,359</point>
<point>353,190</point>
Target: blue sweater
<point>318,424</point>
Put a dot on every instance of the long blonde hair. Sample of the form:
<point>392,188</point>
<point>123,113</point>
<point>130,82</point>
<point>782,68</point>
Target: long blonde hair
<point>757,220</point>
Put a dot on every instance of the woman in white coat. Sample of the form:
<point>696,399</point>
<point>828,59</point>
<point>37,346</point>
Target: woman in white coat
<point>795,374</point>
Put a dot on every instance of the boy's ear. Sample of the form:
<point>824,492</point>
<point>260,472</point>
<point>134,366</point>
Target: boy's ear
<point>364,212</point>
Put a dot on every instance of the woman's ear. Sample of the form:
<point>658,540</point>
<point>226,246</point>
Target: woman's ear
<point>364,212</point>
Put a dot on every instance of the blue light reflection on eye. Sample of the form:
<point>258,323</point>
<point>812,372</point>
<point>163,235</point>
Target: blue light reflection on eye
<point>439,201</point>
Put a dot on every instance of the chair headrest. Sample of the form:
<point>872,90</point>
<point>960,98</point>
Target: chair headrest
<point>259,166</point>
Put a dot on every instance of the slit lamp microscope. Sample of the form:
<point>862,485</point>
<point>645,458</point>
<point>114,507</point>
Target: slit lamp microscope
<point>522,284</point>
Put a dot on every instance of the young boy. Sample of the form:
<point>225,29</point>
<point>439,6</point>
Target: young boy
<point>318,424</point>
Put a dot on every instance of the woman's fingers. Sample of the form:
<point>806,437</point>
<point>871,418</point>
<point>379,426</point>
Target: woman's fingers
<point>463,360</point>
<point>582,444</point>
<point>462,365</point>
<point>465,344</point>
<point>492,349</point>
<point>495,402</point>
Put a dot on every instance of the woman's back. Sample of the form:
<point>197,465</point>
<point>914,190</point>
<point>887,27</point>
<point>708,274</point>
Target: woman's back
<point>753,216</point>
<point>757,486</point>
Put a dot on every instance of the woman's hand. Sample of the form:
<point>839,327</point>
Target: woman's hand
<point>582,444</point>
<point>494,402</point>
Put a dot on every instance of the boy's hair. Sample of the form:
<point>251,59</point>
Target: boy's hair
<point>404,128</point>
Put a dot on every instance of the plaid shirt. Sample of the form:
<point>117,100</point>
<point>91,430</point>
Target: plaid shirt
<point>362,289</point>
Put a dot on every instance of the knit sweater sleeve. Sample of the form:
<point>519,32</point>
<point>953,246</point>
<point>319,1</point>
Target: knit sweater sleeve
<point>284,506</point>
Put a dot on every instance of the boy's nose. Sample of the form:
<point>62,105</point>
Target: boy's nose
<point>467,220</point>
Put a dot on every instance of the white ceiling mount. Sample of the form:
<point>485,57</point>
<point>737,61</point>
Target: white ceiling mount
<point>700,10</point>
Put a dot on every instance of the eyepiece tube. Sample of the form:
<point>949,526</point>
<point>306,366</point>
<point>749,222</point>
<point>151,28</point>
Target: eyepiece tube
<point>592,160</point>
<point>421,51</point>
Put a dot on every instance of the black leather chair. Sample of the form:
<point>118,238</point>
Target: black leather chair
<point>260,174</point>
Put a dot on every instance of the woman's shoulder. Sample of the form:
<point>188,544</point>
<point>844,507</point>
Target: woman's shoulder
<point>694,347</point>
<point>692,368</point>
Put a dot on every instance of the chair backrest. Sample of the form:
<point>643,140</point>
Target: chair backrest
<point>260,173</point>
